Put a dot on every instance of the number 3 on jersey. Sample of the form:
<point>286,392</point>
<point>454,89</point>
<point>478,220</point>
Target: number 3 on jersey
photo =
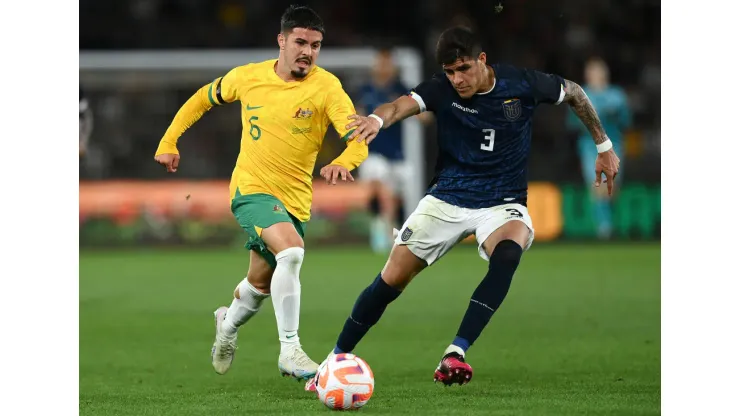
<point>489,137</point>
<point>254,130</point>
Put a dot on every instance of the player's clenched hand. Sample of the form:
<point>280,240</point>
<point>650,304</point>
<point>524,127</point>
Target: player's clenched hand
<point>332,172</point>
<point>169,160</point>
<point>366,128</point>
<point>607,163</point>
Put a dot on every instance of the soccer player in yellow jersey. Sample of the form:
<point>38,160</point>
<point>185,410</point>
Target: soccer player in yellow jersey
<point>286,106</point>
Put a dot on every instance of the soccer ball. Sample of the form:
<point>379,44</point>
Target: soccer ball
<point>344,381</point>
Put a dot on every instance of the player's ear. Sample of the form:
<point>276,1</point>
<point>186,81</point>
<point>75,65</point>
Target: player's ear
<point>281,40</point>
<point>482,57</point>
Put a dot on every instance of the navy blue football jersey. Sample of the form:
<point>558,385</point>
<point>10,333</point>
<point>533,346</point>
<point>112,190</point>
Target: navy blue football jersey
<point>484,141</point>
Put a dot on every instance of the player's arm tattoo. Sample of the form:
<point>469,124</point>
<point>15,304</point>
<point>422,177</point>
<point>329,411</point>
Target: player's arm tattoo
<point>581,105</point>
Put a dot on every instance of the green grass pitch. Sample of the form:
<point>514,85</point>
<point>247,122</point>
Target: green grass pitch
<point>579,334</point>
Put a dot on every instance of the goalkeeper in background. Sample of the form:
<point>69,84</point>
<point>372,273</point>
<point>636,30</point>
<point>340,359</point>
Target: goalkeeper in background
<point>286,105</point>
<point>610,102</point>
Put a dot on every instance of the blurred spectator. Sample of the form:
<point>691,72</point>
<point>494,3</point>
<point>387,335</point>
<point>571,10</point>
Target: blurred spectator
<point>610,102</point>
<point>385,168</point>
<point>86,122</point>
<point>555,37</point>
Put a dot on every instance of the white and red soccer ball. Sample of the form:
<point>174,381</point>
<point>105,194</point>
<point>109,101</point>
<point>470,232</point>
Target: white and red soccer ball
<point>344,381</point>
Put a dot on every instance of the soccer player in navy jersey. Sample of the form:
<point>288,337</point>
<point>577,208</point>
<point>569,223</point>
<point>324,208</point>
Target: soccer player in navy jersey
<point>484,123</point>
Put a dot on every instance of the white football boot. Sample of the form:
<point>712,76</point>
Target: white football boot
<point>295,363</point>
<point>311,382</point>
<point>222,353</point>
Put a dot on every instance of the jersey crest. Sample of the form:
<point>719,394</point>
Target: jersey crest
<point>512,109</point>
<point>406,234</point>
<point>303,113</point>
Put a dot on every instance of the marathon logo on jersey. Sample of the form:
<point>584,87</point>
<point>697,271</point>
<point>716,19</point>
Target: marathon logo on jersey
<point>465,109</point>
<point>303,114</point>
<point>406,234</point>
<point>512,109</point>
<point>277,208</point>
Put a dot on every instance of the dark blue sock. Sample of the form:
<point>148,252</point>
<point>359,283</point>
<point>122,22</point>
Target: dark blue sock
<point>490,293</point>
<point>462,343</point>
<point>367,311</point>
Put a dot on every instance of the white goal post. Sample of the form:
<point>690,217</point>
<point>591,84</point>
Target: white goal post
<point>409,62</point>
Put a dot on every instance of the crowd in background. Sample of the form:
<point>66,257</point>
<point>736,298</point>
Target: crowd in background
<point>554,36</point>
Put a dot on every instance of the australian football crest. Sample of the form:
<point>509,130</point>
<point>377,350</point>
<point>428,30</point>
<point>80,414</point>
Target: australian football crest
<point>512,109</point>
<point>303,114</point>
<point>406,234</point>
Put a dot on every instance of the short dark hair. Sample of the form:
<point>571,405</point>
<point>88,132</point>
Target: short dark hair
<point>301,16</point>
<point>457,43</point>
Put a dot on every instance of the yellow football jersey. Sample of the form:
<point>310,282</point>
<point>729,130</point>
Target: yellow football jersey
<point>284,124</point>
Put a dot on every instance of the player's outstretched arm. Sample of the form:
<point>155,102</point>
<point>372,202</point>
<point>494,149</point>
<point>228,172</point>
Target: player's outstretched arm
<point>221,91</point>
<point>193,109</point>
<point>582,107</point>
<point>339,108</point>
<point>350,159</point>
<point>607,162</point>
<point>366,128</point>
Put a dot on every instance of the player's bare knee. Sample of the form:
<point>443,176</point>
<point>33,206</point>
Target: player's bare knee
<point>515,231</point>
<point>263,285</point>
<point>260,272</point>
<point>402,266</point>
<point>256,287</point>
<point>286,243</point>
<point>260,279</point>
<point>281,236</point>
<point>396,278</point>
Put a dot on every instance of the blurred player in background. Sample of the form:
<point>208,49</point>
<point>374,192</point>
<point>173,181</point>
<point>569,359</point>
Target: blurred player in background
<point>385,169</point>
<point>612,106</point>
<point>484,122</point>
<point>86,122</point>
<point>287,105</point>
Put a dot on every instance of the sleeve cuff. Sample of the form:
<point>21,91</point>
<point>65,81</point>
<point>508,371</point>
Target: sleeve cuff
<point>562,95</point>
<point>420,101</point>
<point>166,147</point>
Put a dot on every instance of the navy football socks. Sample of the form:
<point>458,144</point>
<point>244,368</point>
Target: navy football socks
<point>490,293</point>
<point>367,311</point>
